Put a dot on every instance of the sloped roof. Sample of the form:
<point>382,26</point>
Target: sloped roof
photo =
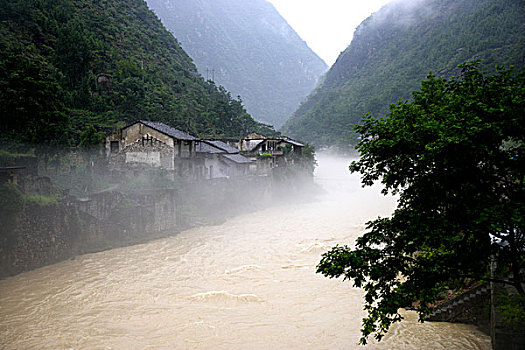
<point>293,142</point>
<point>222,145</point>
<point>168,130</point>
<point>206,148</point>
<point>237,158</point>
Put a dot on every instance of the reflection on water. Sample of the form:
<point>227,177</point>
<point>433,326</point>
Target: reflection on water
<point>247,284</point>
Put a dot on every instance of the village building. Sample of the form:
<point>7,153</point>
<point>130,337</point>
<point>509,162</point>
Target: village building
<point>18,169</point>
<point>220,160</point>
<point>146,144</point>
<point>10,174</point>
<point>268,153</point>
<point>152,144</point>
<point>22,171</point>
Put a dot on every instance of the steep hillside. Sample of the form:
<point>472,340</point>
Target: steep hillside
<point>247,47</point>
<point>396,48</point>
<point>69,65</point>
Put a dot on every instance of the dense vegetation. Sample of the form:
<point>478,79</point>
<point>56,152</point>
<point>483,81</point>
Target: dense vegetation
<point>247,47</point>
<point>455,155</point>
<point>395,48</point>
<point>72,70</point>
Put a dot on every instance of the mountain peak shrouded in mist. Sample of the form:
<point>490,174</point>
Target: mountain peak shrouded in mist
<point>247,47</point>
<point>395,48</point>
<point>402,12</point>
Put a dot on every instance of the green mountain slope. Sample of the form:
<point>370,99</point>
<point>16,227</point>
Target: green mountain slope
<point>396,48</point>
<point>247,47</point>
<point>69,64</point>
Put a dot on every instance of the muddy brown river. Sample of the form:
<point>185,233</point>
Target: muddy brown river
<point>249,283</point>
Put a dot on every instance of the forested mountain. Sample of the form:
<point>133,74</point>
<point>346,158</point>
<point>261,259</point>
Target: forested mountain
<point>247,47</point>
<point>72,68</point>
<point>396,48</point>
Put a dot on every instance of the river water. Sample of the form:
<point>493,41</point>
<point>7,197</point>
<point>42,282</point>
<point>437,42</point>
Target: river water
<point>249,283</point>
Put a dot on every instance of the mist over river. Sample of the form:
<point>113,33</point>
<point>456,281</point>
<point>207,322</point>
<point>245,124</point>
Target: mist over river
<point>249,283</point>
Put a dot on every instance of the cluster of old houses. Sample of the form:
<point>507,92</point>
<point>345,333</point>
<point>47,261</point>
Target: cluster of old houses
<point>146,144</point>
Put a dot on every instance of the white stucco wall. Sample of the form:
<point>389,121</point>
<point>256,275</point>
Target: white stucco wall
<point>149,158</point>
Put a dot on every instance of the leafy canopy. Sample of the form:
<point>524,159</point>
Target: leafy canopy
<point>68,66</point>
<point>455,156</point>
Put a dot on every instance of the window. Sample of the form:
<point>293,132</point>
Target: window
<point>114,146</point>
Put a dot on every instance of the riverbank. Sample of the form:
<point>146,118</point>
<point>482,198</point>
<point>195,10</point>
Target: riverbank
<point>247,283</point>
<point>47,232</point>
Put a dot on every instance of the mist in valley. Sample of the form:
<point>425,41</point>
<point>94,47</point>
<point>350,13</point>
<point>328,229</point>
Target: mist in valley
<point>249,281</point>
<point>164,242</point>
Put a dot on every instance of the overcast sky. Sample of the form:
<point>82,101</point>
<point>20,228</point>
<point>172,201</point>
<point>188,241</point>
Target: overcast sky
<point>327,26</point>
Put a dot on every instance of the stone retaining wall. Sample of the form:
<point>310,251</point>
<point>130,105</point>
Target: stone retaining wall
<point>46,234</point>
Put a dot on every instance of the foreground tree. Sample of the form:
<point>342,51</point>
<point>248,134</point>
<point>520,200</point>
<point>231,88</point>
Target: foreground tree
<point>455,156</point>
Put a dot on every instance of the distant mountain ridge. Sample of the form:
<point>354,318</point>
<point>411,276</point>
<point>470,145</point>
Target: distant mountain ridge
<point>396,48</point>
<point>247,47</point>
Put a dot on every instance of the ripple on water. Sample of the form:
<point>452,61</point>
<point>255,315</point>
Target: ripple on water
<point>225,297</point>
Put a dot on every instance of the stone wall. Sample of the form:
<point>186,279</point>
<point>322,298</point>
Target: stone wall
<point>472,307</point>
<point>479,306</point>
<point>506,334</point>
<point>46,234</point>
<point>43,235</point>
<point>136,131</point>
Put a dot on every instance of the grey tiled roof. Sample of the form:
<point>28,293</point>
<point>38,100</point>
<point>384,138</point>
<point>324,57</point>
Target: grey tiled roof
<point>293,142</point>
<point>237,158</point>
<point>206,148</point>
<point>221,145</point>
<point>168,130</point>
